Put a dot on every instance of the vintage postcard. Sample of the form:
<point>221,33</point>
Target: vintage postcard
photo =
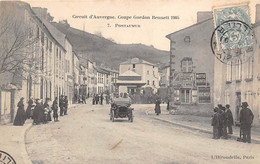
<point>138,81</point>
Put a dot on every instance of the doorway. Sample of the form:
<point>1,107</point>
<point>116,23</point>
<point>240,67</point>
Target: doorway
<point>185,96</point>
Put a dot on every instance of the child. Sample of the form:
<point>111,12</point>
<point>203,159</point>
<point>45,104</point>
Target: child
<point>215,123</point>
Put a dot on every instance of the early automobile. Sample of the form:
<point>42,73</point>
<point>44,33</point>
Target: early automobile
<point>120,108</point>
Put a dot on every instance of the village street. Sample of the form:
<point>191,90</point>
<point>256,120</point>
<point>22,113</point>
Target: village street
<point>87,135</point>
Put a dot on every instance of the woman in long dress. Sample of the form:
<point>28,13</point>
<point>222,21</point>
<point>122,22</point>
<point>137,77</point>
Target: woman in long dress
<point>29,108</point>
<point>20,115</point>
<point>157,106</point>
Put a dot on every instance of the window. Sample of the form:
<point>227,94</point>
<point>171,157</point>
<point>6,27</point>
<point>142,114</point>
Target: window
<point>42,38</point>
<point>47,43</point>
<point>147,72</point>
<point>133,65</point>
<point>68,66</point>
<point>186,65</point>
<point>42,60</point>
<point>50,48</point>
<point>57,53</point>
<point>153,83</point>
<point>187,39</point>
<point>227,97</point>
<point>148,82</point>
<point>250,68</point>
<point>238,70</point>
<point>38,33</point>
<point>229,71</point>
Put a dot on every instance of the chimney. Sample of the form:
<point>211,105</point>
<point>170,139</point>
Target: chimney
<point>41,12</point>
<point>203,15</point>
<point>257,13</point>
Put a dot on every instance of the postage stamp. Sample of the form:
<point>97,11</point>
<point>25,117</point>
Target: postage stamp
<point>233,27</point>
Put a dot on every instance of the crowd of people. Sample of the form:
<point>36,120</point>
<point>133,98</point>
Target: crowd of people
<point>99,99</point>
<point>222,122</point>
<point>40,112</point>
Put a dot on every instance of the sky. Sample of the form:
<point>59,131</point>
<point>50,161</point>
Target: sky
<point>150,32</point>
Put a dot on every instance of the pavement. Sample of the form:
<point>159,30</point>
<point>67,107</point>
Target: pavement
<point>201,124</point>
<point>12,140</point>
<point>87,135</point>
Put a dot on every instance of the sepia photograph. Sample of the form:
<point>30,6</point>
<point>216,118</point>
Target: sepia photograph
<point>130,82</point>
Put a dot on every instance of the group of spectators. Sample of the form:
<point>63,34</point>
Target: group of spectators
<point>40,112</point>
<point>98,99</point>
<point>222,121</point>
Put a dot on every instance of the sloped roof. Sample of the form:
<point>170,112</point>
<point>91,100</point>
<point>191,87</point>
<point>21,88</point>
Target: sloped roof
<point>59,36</point>
<point>189,27</point>
<point>129,73</point>
<point>137,61</point>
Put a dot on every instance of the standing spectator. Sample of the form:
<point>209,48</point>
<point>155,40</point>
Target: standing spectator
<point>224,119</point>
<point>230,121</point>
<point>55,109</point>
<point>157,106</point>
<point>97,98</point>
<point>215,123</point>
<point>29,108</point>
<point>47,111</point>
<point>246,120</point>
<point>168,103</point>
<point>65,103</point>
<point>36,112</point>
<point>20,115</point>
<point>101,99</point>
<point>41,112</point>
<point>107,99</point>
<point>61,105</point>
<point>220,128</point>
<point>93,99</point>
<point>84,99</point>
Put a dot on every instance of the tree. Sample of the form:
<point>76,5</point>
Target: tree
<point>18,45</point>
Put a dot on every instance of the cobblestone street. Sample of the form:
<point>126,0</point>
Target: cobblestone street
<point>87,135</point>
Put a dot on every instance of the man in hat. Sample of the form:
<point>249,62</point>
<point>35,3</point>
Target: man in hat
<point>220,127</point>
<point>246,120</point>
<point>230,121</point>
<point>65,105</point>
<point>215,123</point>
<point>61,105</point>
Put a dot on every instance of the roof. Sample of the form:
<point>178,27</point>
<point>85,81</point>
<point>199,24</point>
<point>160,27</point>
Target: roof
<point>130,82</point>
<point>129,73</point>
<point>100,70</point>
<point>59,36</point>
<point>136,61</point>
<point>199,23</point>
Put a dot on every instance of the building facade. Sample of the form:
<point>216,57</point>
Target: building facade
<point>238,80</point>
<point>148,72</point>
<point>191,78</point>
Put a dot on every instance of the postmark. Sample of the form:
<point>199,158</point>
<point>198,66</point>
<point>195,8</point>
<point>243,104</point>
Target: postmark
<point>6,158</point>
<point>233,27</point>
<point>234,39</point>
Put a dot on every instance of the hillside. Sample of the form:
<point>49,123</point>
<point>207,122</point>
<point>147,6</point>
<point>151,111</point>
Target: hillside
<point>102,50</point>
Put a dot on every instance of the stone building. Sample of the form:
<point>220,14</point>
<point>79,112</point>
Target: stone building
<point>191,61</point>
<point>238,80</point>
<point>148,72</point>
<point>37,76</point>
